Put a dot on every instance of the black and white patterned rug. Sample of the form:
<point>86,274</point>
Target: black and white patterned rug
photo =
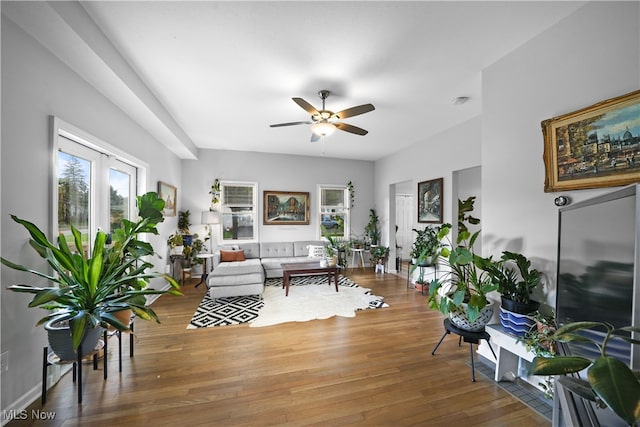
<point>322,302</point>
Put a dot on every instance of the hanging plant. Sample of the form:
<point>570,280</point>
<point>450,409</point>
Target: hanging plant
<point>352,194</point>
<point>215,191</point>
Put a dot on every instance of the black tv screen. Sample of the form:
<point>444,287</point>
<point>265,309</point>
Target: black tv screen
<point>597,258</point>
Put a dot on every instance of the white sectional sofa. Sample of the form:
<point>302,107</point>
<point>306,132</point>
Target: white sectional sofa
<point>242,269</point>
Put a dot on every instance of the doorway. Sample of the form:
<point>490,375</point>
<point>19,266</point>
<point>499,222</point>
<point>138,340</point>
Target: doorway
<point>404,218</point>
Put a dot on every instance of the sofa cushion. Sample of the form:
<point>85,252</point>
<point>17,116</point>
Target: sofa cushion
<point>276,249</point>
<point>248,266</point>
<point>231,256</point>
<point>235,280</point>
<point>276,263</point>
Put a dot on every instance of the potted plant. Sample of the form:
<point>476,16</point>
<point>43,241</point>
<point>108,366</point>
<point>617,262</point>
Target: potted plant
<point>371,230</point>
<point>610,382</point>
<point>538,340</point>
<point>356,242</point>
<point>515,288</point>
<point>426,246</point>
<point>176,244</point>
<point>336,249</point>
<point>184,222</point>
<point>89,290</point>
<point>461,293</point>
<point>190,252</point>
<point>379,254</point>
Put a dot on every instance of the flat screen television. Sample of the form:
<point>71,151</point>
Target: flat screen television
<point>598,277</point>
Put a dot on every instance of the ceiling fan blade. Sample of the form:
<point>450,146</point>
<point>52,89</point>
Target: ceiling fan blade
<point>351,129</point>
<point>289,124</point>
<point>305,106</point>
<point>355,111</point>
<point>314,137</point>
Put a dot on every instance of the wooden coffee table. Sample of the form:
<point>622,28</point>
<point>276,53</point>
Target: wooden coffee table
<point>307,269</point>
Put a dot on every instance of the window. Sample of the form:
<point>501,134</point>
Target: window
<point>334,212</point>
<point>95,185</point>
<point>239,210</point>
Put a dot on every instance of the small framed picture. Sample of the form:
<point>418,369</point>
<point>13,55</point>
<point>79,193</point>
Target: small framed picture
<point>430,201</point>
<point>169,194</point>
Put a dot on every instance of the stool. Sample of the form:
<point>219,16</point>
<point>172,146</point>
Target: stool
<point>468,336</point>
<point>353,256</point>
<point>184,273</point>
<point>380,267</point>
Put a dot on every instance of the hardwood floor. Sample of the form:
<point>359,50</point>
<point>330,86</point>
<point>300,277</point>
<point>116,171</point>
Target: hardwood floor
<point>375,370</point>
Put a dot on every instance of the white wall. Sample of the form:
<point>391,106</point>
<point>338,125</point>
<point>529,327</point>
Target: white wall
<point>455,149</point>
<point>36,85</point>
<point>588,57</point>
<point>274,172</point>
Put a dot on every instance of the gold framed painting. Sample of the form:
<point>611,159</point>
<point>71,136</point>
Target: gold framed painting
<point>169,194</point>
<point>597,146</point>
<point>286,208</point>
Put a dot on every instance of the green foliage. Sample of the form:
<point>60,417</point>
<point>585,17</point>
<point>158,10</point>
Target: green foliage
<point>426,246</point>
<point>466,280</point>
<point>371,229</point>
<point>215,191</point>
<point>609,381</point>
<point>380,252</point>
<point>87,290</point>
<point>512,286</point>
<point>190,252</point>
<point>352,194</point>
<point>184,221</point>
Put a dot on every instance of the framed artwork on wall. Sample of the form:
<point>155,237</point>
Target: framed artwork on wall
<point>285,208</point>
<point>430,201</point>
<point>169,194</point>
<point>597,146</point>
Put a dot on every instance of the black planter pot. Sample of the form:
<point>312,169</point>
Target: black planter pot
<point>519,307</point>
<point>61,343</point>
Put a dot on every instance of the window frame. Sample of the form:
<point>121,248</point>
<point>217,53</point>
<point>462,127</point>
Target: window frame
<point>77,142</point>
<point>254,206</point>
<point>346,209</point>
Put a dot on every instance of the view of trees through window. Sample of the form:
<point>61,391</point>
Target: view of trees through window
<point>75,197</point>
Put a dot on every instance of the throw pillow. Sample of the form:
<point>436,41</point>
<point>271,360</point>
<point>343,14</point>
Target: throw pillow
<point>231,256</point>
<point>316,251</point>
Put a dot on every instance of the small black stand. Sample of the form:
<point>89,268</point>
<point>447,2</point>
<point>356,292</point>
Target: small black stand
<point>468,336</point>
<point>49,359</point>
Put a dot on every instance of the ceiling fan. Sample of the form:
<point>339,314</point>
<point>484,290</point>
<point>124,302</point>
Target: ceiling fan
<point>324,122</point>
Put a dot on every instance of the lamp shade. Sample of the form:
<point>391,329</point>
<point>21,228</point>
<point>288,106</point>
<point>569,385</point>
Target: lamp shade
<point>210,217</point>
<point>323,128</point>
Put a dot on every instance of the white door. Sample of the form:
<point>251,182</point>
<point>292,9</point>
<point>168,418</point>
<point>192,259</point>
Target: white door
<point>404,221</point>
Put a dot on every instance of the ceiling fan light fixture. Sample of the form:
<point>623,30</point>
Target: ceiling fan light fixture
<point>323,128</point>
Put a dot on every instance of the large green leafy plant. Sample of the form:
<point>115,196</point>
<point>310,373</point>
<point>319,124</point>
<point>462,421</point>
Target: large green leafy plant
<point>466,283</point>
<point>88,290</point>
<point>609,381</point>
<point>427,244</point>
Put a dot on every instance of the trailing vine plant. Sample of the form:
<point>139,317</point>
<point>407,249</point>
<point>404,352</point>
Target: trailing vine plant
<point>215,192</point>
<point>352,194</point>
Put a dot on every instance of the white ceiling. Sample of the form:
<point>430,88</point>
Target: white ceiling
<point>217,74</point>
